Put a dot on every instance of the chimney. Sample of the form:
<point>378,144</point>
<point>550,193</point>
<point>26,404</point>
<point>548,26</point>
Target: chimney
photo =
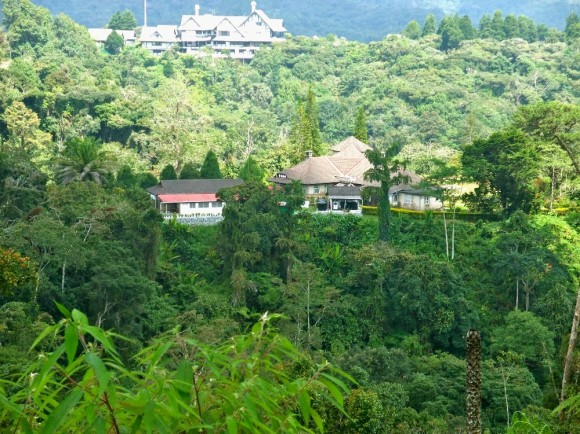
<point>309,154</point>
<point>254,4</point>
<point>196,10</point>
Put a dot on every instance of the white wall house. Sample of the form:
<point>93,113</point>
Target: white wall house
<point>192,201</point>
<point>238,37</point>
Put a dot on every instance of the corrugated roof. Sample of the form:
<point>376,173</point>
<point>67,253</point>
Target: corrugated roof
<point>184,198</point>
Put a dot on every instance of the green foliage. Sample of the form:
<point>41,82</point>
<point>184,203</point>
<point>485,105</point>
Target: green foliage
<point>386,170</point>
<point>83,160</point>
<point>252,373</point>
<point>168,173</point>
<point>360,126</point>
<point>251,171</point>
<point>505,167</point>
<point>122,21</point>
<point>114,43</point>
<point>413,30</point>
<point>189,171</point>
<point>210,169</point>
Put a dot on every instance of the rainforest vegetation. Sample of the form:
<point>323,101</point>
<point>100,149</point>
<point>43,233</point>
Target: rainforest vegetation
<point>368,20</point>
<point>280,319</point>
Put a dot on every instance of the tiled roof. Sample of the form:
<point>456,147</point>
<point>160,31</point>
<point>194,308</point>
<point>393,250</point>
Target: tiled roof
<point>347,161</point>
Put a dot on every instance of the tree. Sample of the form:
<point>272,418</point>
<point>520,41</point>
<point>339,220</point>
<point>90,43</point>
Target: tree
<point>122,21</point>
<point>114,43</point>
<point>83,160</point>
<point>126,178</point>
<point>451,34</point>
<point>360,126</point>
<point>251,171</point>
<point>210,169</point>
<point>522,256</point>
<point>467,28</point>
<point>168,173</point>
<point>23,125</point>
<point>190,171</point>
<point>387,171</point>
<point>497,28</point>
<point>430,26</point>
<point>572,29</point>
<point>510,27</point>
<point>504,166</point>
<point>305,133</point>
<point>413,30</point>
<point>15,270</point>
<point>560,124</point>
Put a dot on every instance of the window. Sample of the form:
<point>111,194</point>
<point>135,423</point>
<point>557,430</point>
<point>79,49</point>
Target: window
<point>408,199</point>
<point>203,204</point>
<point>216,204</point>
<point>316,189</point>
<point>224,33</point>
<point>426,201</point>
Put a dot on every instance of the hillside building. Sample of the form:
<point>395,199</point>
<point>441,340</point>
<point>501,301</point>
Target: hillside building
<point>238,37</point>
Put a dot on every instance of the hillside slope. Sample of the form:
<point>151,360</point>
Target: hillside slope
<point>353,19</point>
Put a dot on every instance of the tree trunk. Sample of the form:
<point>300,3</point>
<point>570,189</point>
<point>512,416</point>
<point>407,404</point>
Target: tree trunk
<point>517,293</point>
<point>474,382</point>
<point>570,353</point>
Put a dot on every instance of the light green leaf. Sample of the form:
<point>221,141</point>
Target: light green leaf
<point>100,369</point>
<point>71,342</point>
<point>60,413</point>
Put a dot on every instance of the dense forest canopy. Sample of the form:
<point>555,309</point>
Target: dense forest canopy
<point>353,19</point>
<point>386,298</point>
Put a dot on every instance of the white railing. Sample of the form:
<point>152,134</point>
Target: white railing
<point>194,219</point>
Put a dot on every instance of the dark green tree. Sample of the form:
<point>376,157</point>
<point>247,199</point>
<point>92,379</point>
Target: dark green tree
<point>505,167</point>
<point>413,30</point>
<point>527,29</point>
<point>122,21</point>
<point>168,173</point>
<point>430,26</point>
<point>467,28</point>
<point>485,30</point>
<point>572,29</point>
<point>311,111</point>
<point>387,171</point>
<point>360,125</point>
<point>190,171</point>
<point>451,34</point>
<point>511,27</point>
<point>497,28</point>
<point>251,171</point>
<point>114,43</point>
<point>210,169</point>
<point>125,177</point>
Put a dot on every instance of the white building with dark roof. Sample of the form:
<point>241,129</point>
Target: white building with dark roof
<point>238,37</point>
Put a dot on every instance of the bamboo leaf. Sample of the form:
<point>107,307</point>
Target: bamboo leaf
<point>71,342</point>
<point>100,369</point>
<point>60,413</point>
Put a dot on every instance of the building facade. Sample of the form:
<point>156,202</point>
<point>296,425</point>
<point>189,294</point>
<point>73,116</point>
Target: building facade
<point>238,37</point>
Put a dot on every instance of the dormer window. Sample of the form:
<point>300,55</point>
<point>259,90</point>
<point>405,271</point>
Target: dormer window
<point>224,33</point>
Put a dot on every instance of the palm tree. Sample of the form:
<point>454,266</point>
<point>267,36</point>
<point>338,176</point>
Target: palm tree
<point>83,160</point>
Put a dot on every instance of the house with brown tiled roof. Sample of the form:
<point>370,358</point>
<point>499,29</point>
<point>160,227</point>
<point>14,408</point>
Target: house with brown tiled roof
<point>346,167</point>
